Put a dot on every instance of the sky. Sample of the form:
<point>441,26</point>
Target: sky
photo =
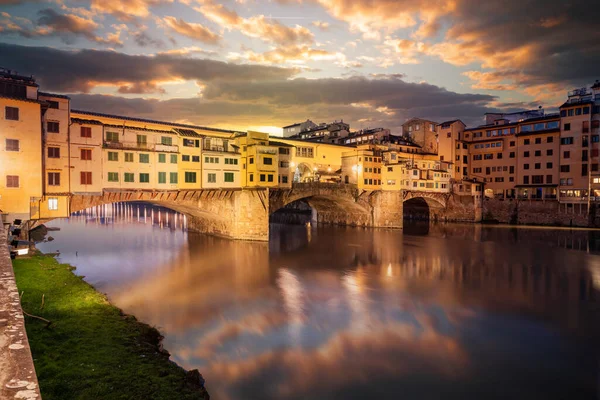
<point>260,65</point>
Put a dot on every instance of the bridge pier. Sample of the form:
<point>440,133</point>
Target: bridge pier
<point>388,209</point>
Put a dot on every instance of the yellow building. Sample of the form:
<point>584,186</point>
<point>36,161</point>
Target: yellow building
<point>260,160</point>
<point>221,163</point>
<point>314,161</point>
<point>86,156</point>
<point>362,166</point>
<point>21,176</point>
<point>188,161</point>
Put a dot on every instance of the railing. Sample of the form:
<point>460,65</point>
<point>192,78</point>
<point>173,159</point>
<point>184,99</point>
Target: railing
<point>222,149</point>
<point>141,146</point>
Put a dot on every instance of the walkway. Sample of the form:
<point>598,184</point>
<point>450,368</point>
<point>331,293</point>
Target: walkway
<point>17,374</point>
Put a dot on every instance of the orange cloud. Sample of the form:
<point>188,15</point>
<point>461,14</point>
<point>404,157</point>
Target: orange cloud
<point>191,30</point>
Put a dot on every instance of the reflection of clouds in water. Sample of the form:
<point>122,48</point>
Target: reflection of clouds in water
<point>396,351</point>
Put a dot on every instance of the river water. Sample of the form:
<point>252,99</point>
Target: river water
<point>431,312</point>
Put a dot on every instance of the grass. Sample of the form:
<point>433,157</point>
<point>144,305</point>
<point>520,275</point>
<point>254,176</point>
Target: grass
<point>91,350</point>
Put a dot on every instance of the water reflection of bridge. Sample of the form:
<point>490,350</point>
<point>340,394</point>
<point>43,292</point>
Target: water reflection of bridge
<point>130,212</point>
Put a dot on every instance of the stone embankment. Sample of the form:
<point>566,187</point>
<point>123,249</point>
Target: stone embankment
<point>17,373</point>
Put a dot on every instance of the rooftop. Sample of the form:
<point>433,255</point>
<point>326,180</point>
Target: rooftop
<point>151,121</point>
<point>60,96</point>
<point>12,75</point>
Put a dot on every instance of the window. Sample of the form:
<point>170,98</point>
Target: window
<point>525,166</point>
<point>85,131</point>
<point>270,178</point>
<point>113,156</point>
<point>195,158</point>
<point>305,152</point>
<point>549,165</point>
<point>85,154</point>
<point>499,156</point>
<point>549,152</point>
<point>162,177</point>
<point>537,179</point>
<point>263,178</point>
<point>488,156</point>
<point>526,180</point>
<point>526,142</point>
<point>283,150</point>
<point>185,157</point>
<point>53,178</point>
<point>477,157</point>
<point>85,178</point>
<point>549,139</point>
<point>11,113</point>
<point>251,161</point>
<point>570,112</point>
<point>52,127</point>
<point>538,140</point>
<point>192,143</point>
<point>584,155</point>
<point>563,113</point>
<point>538,153</point>
<point>284,179</point>
<point>172,177</point>
<point>228,177</point>
<point>128,177</point>
<point>212,178</point>
<point>548,178</point>
<point>234,161</point>
<point>162,158</point>
<point>565,168</point>
<point>144,178</point>
<point>144,158</point>
<point>142,140</point>
<point>13,145</point>
<point>190,177</point>
<point>12,181</point>
<point>526,154</point>
<point>52,203</point>
<point>251,177</point>
<point>166,140</point>
<point>512,144</point>
<point>511,155</point>
<point>567,127</point>
<point>578,111</point>
<point>173,158</point>
<point>113,177</point>
<point>267,161</point>
<point>112,137</point>
<point>511,169</point>
<point>584,169</point>
<point>128,157</point>
<point>537,165</point>
<point>566,154</point>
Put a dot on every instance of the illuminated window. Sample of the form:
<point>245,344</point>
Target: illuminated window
<point>52,203</point>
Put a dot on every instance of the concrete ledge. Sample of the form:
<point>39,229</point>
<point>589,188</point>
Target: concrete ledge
<point>17,373</point>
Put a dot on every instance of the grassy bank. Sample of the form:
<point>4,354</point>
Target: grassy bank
<point>91,350</point>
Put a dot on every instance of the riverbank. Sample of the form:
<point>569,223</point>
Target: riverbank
<point>90,349</point>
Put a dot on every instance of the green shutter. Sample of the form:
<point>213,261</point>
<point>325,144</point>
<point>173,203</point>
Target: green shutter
<point>162,158</point>
<point>173,177</point>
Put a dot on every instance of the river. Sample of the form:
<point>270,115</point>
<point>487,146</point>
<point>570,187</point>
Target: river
<point>431,312</point>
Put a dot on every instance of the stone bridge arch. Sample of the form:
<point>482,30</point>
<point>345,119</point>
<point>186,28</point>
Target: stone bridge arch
<point>331,203</point>
<point>236,214</point>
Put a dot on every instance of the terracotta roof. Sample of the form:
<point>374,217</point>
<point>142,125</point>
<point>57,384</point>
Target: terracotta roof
<point>85,121</point>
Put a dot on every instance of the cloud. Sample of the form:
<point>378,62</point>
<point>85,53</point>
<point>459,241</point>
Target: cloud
<point>324,26</point>
<point>68,27</point>
<point>291,54</point>
<point>141,88</point>
<point>89,68</point>
<point>191,30</point>
<point>257,26</point>
<point>384,101</point>
<point>126,10</point>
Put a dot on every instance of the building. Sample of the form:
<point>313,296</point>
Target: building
<point>334,132</point>
<point>423,133</point>
<point>452,147</point>
<point>21,174</point>
<point>375,135</point>
<point>260,160</point>
<point>295,129</point>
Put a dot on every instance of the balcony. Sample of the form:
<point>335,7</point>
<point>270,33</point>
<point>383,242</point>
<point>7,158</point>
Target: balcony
<point>141,146</point>
<point>221,149</point>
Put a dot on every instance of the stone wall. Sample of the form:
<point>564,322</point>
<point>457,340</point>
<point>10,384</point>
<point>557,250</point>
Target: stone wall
<point>528,212</point>
<point>458,209</point>
<point>387,209</point>
<point>17,373</point>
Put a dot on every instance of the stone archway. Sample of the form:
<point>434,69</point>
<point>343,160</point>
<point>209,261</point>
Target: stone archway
<point>303,173</point>
<point>422,209</point>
